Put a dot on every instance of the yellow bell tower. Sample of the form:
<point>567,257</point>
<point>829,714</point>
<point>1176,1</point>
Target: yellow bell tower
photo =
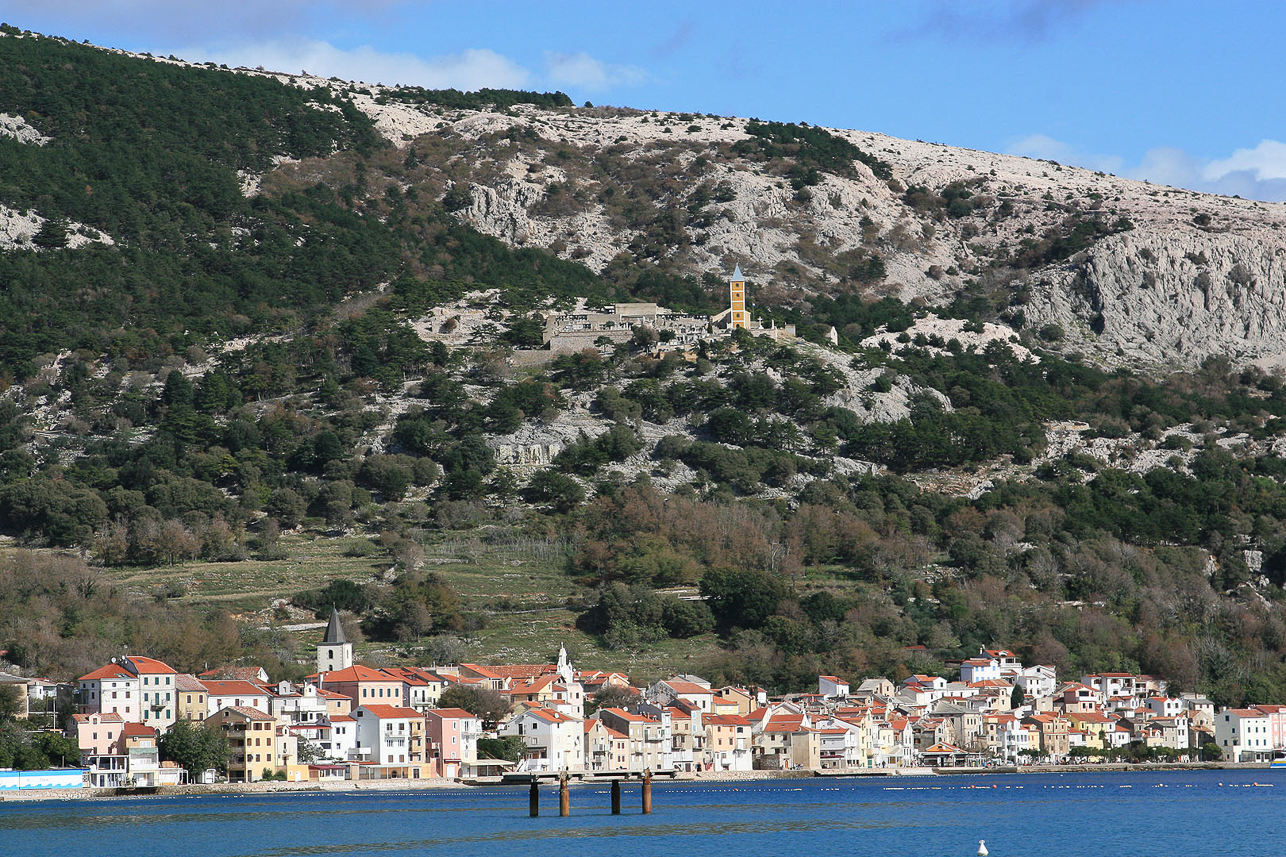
<point>737,296</point>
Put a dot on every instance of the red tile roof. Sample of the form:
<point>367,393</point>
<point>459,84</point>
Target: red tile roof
<point>774,727</point>
<point>688,687</point>
<point>357,672</point>
<point>111,717</point>
<point>110,671</point>
<point>234,688</point>
<point>183,681</point>
<point>138,730</point>
<point>941,748</point>
<point>151,665</point>
<point>533,685</point>
<point>385,712</point>
<point>415,675</point>
<point>549,715</point>
<point>456,713</point>
<point>248,713</point>
<point>622,714</point>
<point>725,720</point>
<point>485,672</point>
<point>518,671</point>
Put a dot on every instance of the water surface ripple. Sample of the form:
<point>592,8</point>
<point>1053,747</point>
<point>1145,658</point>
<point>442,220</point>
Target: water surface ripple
<point>1191,813</point>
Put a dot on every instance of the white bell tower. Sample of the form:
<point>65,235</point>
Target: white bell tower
<point>334,652</point>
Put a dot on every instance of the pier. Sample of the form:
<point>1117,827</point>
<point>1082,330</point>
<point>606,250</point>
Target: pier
<point>564,778</point>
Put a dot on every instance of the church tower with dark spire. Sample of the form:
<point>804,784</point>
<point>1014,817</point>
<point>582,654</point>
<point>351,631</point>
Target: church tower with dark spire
<point>334,652</point>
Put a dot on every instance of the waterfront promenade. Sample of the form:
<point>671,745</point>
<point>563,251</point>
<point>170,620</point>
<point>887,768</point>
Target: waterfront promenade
<point>412,785</point>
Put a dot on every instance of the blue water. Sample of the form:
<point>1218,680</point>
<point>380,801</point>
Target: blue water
<point>1066,815</point>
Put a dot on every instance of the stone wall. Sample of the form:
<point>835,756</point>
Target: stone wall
<point>579,340</point>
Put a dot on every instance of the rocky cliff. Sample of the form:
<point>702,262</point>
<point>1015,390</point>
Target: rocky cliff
<point>1131,272</point>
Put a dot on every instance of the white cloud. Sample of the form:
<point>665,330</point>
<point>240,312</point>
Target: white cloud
<point>1049,149</point>
<point>1170,166</point>
<point>1258,173</point>
<point>1266,161</point>
<point>469,69</point>
<point>585,72</point>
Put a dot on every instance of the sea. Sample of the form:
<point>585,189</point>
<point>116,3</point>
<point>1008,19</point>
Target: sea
<point>1188,813</point>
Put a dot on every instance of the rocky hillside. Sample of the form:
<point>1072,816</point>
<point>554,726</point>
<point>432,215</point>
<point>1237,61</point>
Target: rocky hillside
<point>1133,273</point>
<point>242,312</point>
<point>1124,272</point>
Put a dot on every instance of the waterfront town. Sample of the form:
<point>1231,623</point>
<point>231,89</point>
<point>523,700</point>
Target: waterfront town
<point>353,722</point>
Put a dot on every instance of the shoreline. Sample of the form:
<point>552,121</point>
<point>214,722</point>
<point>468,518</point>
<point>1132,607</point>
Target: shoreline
<point>431,785</point>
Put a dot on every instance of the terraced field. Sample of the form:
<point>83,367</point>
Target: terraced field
<point>521,590</point>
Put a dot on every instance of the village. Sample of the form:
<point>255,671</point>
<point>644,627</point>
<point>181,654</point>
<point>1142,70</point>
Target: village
<point>350,722</point>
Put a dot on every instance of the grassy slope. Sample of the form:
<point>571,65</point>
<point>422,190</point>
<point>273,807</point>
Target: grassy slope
<point>524,599</point>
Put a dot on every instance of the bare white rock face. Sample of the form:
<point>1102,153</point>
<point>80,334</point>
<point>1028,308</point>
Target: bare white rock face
<point>18,230</point>
<point>1175,293</point>
<point>19,129</point>
<point>1190,275</point>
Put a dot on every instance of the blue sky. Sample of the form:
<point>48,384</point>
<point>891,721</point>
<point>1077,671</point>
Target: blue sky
<point>1175,91</point>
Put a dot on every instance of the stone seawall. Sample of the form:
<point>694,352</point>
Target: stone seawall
<point>236,788</point>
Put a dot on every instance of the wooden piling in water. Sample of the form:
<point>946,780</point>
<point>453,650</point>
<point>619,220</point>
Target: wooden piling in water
<point>564,796</point>
<point>616,797</point>
<point>533,798</point>
<point>647,791</point>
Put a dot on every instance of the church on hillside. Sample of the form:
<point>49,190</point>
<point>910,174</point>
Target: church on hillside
<point>582,327</point>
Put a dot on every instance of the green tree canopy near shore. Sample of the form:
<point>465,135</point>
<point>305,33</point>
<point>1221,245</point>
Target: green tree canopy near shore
<point>196,748</point>
<point>481,702</point>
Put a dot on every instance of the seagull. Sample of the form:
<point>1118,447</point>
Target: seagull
<point>982,848</point>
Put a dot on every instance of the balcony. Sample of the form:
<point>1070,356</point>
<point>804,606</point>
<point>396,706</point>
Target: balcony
<point>107,764</point>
